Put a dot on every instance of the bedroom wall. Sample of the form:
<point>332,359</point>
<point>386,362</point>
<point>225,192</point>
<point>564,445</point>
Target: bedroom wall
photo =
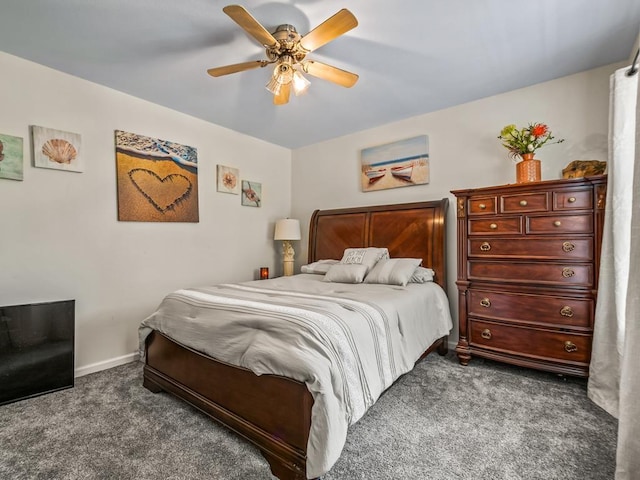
<point>59,233</point>
<point>464,151</point>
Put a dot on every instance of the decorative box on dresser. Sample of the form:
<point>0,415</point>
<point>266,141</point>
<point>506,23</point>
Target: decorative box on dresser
<point>528,258</point>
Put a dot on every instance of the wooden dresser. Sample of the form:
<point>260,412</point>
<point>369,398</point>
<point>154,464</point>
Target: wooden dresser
<point>528,258</point>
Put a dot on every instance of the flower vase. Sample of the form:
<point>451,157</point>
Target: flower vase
<point>528,170</point>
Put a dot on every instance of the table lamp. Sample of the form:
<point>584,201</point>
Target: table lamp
<point>287,230</point>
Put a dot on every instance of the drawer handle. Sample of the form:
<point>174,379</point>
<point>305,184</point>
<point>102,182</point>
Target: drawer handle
<point>493,226</point>
<point>485,302</point>
<point>572,199</point>
<point>523,203</point>
<point>570,347</point>
<point>557,223</point>
<point>485,247</point>
<point>566,311</point>
<point>567,272</point>
<point>482,206</point>
<point>568,246</point>
<point>486,334</point>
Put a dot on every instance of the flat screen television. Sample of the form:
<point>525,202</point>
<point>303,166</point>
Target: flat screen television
<point>36,349</point>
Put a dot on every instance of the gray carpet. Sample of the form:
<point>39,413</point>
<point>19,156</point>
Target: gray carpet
<point>486,421</point>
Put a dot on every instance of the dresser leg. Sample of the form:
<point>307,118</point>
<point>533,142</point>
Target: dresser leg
<point>464,353</point>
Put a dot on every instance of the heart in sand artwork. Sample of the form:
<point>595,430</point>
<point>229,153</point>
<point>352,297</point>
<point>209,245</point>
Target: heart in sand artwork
<point>157,179</point>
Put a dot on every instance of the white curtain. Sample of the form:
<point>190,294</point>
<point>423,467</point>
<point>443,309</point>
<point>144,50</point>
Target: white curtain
<point>614,377</point>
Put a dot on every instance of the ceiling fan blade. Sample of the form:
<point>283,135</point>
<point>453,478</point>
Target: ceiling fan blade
<point>243,18</point>
<point>283,96</point>
<point>237,67</point>
<point>332,74</point>
<point>333,27</point>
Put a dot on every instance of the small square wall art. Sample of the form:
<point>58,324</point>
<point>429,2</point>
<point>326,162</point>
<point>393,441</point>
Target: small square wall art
<point>57,149</point>
<point>251,193</point>
<point>11,157</point>
<point>228,179</point>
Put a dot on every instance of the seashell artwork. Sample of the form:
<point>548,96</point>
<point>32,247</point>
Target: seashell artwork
<point>59,150</point>
<point>228,179</point>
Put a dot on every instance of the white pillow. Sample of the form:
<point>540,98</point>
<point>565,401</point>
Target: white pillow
<point>345,273</point>
<point>422,275</point>
<point>364,256</point>
<point>320,267</point>
<point>393,271</point>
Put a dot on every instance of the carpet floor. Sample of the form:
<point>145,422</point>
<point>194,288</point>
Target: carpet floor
<point>486,421</point>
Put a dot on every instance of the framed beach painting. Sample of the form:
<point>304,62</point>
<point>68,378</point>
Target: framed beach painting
<point>251,193</point>
<point>157,179</point>
<point>57,149</point>
<point>11,157</point>
<point>228,180</point>
<point>399,164</point>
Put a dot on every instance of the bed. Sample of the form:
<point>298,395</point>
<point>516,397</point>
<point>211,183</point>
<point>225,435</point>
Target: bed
<point>275,412</point>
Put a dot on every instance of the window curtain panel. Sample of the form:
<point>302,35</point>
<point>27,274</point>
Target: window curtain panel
<point>614,381</point>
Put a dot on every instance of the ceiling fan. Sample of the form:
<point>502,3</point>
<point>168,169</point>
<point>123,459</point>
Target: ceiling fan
<point>287,49</point>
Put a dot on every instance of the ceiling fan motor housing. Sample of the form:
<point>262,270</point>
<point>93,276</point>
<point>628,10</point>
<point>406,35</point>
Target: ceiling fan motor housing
<point>288,44</point>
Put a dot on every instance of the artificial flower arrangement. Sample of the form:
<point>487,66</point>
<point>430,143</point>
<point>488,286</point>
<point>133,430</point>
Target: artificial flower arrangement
<point>526,140</point>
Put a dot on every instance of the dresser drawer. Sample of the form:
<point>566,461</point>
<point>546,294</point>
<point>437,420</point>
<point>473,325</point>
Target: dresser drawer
<point>532,273</point>
<point>495,226</point>
<point>525,202</point>
<point>573,200</point>
<point>482,205</point>
<point>539,309</point>
<point>532,248</point>
<point>539,343</point>
<point>559,224</point>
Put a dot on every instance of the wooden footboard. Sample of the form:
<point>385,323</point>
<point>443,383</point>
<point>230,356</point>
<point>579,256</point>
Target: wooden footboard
<point>272,412</point>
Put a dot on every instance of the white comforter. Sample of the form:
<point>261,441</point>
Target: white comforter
<point>347,343</point>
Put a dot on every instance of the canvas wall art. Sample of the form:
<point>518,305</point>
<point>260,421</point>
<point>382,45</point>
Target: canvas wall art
<point>251,193</point>
<point>228,179</point>
<point>398,164</point>
<point>157,179</point>
<point>57,149</point>
<point>11,157</point>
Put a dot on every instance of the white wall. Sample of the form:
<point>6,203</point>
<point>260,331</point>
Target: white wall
<point>59,233</point>
<point>463,148</point>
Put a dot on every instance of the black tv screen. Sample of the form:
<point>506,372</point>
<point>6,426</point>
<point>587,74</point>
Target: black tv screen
<point>36,349</point>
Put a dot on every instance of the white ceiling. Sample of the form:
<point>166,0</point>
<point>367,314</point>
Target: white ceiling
<point>413,56</point>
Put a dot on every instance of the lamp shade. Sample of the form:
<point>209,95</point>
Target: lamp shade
<point>287,229</point>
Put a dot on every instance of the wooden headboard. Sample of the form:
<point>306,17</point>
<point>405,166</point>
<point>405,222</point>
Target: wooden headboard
<point>410,230</point>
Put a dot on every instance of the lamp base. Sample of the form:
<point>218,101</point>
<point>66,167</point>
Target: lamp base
<point>288,268</point>
<point>287,258</point>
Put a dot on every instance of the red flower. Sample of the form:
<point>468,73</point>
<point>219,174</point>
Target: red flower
<point>539,130</point>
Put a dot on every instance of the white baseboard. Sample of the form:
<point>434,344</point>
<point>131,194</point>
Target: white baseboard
<point>105,364</point>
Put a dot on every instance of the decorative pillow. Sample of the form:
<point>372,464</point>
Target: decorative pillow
<point>345,273</point>
<point>320,267</point>
<point>393,271</point>
<point>364,256</point>
<point>422,275</point>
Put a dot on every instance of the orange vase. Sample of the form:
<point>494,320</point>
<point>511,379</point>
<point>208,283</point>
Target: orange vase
<point>528,170</point>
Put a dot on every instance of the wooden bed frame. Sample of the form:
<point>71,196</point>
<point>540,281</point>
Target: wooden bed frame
<point>274,412</point>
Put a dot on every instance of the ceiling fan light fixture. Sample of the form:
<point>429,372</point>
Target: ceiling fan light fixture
<point>282,74</point>
<point>273,85</point>
<point>300,83</point>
